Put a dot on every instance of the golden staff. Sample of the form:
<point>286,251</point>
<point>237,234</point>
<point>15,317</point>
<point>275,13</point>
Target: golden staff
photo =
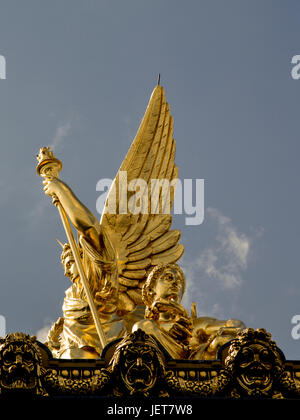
<point>49,167</point>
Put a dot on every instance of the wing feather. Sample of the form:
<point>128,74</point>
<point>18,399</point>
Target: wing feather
<point>138,265</point>
<point>135,230</point>
<point>140,255</point>
<point>170,256</point>
<point>158,225</point>
<point>166,241</point>
<point>144,240</point>
<point>134,274</point>
<point>139,245</point>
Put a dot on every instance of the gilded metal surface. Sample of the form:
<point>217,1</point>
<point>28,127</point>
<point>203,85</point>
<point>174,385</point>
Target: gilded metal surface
<point>126,290</point>
<point>95,385</point>
<point>181,335</point>
<point>138,365</point>
<point>74,335</point>
<point>49,167</point>
<point>210,334</point>
<point>21,365</point>
<point>206,388</point>
<point>165,317</point>
<point>120,251</point>
<point>257,367</point>
<point>251,366</point>
<point>126,262</point>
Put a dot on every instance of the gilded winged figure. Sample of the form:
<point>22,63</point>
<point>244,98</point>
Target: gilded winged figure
<point>131,238</point>
<point>123,269</point>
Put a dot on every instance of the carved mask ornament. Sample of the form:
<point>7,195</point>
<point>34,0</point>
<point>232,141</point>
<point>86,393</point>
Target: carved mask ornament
<point>20,362</point>
<point>255,362</point>
<point>139,368</point>
<point>138,362</point>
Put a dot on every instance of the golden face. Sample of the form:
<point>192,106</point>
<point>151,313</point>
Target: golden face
<point>70,268</point>
<point>139,367</point>
<point>19,367</point>
<point>168,286</point>
<point>254,365</point>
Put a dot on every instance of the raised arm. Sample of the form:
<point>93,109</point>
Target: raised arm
<point>80,216</point>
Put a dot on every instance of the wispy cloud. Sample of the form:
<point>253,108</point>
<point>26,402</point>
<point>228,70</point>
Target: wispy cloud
<point>42,333</point>
<point>226,261</point>
<point>42,211</point>
<point>62,131</point>
<point>223,263</point>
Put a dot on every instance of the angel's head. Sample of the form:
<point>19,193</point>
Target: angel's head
<point>68,262</point>
<point>165,281</point>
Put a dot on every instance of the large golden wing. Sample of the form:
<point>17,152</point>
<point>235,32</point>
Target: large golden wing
<point>141,240</point>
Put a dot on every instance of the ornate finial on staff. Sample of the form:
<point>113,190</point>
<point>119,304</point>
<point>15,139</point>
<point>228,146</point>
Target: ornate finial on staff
<point>49,167</point>
<point>48,164</point>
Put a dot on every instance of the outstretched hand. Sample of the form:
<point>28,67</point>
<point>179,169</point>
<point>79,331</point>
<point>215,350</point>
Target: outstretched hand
<point>164,305</point>
<point>52,186</point>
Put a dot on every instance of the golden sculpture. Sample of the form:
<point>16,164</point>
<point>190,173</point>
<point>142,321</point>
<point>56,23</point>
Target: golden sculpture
<point>210,334</point>
<point>123,308</point>
<point>183,336</point>
<point>137,365</point>
<point>78,336</point>
<point>21,365</point>
<point>126,262</point>
<point>257,366</point>
<point>251,366</point>
<point>165,318</point>
<point>120,251</point>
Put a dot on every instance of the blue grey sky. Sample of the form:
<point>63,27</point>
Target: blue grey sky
<point>79,76</point>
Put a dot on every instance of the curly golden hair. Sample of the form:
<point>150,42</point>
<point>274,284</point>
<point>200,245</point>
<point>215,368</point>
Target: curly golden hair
<point>149,286</point>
